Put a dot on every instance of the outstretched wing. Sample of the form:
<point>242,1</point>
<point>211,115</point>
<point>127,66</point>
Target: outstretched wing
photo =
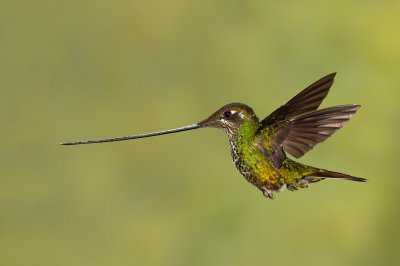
<point>305,101</point>
<point>296,127</point>
<point>305,131</point>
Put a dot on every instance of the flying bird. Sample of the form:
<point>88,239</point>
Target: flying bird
<point>259,148</point>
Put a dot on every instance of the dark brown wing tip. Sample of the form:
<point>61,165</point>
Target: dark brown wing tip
<point>356,107</point>
<point>312,96</point>
<point>349,107</point>
<point>332,75</point>
<point>326,79</point>
<point>329,76</point>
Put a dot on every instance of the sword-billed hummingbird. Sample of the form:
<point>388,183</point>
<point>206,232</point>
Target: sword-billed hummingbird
<point>258,148</point>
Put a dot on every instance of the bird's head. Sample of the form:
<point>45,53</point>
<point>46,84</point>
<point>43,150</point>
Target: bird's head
<point>230,118</point>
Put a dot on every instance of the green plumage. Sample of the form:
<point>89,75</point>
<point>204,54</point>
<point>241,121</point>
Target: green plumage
<point>259,148</point>
<point>259,169</point>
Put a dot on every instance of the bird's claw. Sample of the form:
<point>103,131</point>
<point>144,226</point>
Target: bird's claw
<point>267,192</point>
<point>298,184</point>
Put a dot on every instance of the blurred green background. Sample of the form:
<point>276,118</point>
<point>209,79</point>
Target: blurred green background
<point>72,70</point>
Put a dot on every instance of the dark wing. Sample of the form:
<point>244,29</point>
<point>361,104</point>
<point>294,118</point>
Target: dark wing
<point>305,131</point>
<point>306,101</point>
<point>297,127</point>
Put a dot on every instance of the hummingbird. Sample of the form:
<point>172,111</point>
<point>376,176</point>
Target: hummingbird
<point>259,148</point>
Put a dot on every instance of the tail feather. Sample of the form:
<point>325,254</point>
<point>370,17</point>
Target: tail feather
<point>330,174</point>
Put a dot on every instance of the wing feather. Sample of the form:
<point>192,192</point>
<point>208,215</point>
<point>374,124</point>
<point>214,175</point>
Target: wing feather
<point>305,101</point>
<point>306,131</point>
<point>296,127</point>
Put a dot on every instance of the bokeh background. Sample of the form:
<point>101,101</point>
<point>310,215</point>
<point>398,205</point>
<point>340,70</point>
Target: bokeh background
<point>73,70</point>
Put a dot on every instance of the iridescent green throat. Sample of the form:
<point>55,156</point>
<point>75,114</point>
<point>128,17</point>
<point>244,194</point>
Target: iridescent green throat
<point>246,134</point>
<point>242,142</point>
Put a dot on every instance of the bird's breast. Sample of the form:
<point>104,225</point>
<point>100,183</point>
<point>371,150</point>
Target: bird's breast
<point>253,165</point>
<point>242,162</point>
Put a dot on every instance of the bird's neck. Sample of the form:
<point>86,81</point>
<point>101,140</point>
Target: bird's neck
<point>241,141</point>
<point>243,136</point>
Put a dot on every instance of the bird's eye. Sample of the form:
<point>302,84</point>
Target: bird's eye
<point>227,114</point>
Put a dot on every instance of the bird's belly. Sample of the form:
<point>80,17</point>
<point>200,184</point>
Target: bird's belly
<point>257,170</point>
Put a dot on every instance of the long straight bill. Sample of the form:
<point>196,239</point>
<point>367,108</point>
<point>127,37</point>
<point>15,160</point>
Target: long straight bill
<point>133,137</point>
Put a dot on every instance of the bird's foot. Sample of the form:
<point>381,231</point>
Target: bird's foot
<point>267,192</point>
<point>298,184</point>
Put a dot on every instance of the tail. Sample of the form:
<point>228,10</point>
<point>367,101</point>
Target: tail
<point>322,174</point>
